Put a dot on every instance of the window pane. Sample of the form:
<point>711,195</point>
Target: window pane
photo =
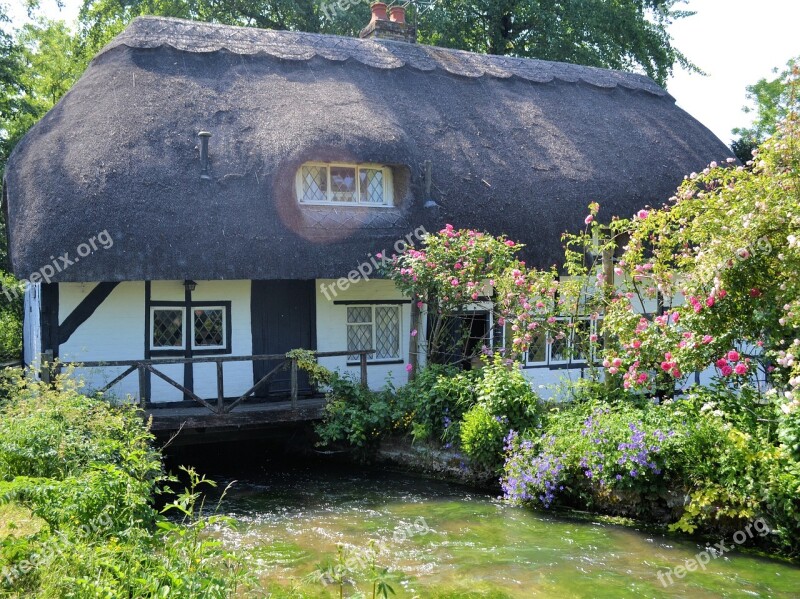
<point>359,315</point>
<point>387,332</point>
<point>359,336</point>
<point>168,328</point>
<point>371,185</point>
<point>315,183</point>
<point>580,340</point>
<point>208,327</point>
<point>559,350</point>
<point>343,183</point>
<point>537,352</point>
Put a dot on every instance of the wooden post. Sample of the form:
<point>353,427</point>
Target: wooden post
<point>142,385</point>
<point>46,371</point>
<point>294,383</point>
<point>220,389</point>
<point>363,358</point>
<point>610,284</point>
<point>413,346</point>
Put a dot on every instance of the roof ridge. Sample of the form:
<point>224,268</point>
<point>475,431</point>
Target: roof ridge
<point>199,37</point>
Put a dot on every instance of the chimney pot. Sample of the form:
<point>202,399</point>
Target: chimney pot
<point>397,14</point>
<point>379,11</point>
<point>396,29</point>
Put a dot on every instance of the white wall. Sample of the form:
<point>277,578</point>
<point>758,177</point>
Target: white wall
<point>238,376</point>
<point>115,331</point>
<point>31,325</point>
<point>332,328</point>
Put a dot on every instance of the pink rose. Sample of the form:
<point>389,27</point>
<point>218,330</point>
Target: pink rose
<point>642,214</point>
<point>588,220</point>
<point>510,243</point>
<point>409,368</point>
<point>414,333</point>
<point>740,368</point>
<point>733,355</point>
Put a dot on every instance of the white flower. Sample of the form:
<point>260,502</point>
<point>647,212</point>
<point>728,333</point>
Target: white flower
<point>718,413</point>
<point>707,406</point>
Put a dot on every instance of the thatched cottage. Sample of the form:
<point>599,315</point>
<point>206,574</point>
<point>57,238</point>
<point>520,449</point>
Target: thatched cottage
<point>203,189</point>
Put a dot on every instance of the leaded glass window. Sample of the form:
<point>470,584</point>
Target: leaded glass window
<point>167,328</point>
<point>371,186</point>
<point>537,351</point>
<point>374,327</point>
<point>567,344</point>
<point>315,183</point>
<point>344,184</point>
<point>387,332</point>
<point>209,327</point>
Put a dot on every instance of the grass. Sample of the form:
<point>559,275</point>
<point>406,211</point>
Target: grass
<point>18,521</point>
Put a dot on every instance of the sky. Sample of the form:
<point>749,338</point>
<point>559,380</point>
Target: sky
<point>735,42</point>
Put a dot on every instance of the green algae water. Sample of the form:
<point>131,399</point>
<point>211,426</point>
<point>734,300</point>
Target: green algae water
<point>443,540</point>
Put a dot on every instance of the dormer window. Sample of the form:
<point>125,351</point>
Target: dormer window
<point>321,183</point>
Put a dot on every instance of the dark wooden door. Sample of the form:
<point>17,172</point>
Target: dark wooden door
<point>283,318</point>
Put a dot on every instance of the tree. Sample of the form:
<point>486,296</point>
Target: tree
<point>771,102</point>
<point>624,34</point>
<point>11,87</point>
<point>100,20</point>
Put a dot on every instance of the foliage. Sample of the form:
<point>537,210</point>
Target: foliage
<point>351,564</point>
<point>727,243</point>
<point>88,471</point>
<point>503,401</point>
<point>432,404</point>
<point>482,435</point>
<point>626,35</point>
<point>504,390</point>
<point>455,272</point>
<point>772,101</point>
<point>356,415</point>
<point>11,307</point>
<point>12,89</point>
<point>319,376</point>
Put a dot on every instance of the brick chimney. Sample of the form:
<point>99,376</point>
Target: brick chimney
<point>394,28</point>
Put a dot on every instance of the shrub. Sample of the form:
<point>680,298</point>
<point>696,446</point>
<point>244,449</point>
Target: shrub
<point>434,402</point>
<point>88,470</point>
<point>504,390</point>
<point>482,435</point>
<point>356,415</point>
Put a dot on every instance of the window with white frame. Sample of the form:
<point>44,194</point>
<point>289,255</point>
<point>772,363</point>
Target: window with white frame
<point>568,347</point>
<point>348,184</point>
<point>166,328</point>
<point>209,328</point>
<point>206,327</point>
<point>374,327</point>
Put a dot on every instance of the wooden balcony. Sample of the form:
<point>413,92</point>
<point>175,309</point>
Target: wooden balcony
<point>221,416</point>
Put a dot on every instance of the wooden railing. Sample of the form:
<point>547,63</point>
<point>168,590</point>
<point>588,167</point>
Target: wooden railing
<point>217,405</point>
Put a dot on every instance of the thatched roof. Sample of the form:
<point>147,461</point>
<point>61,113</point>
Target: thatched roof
<point>517,146</point>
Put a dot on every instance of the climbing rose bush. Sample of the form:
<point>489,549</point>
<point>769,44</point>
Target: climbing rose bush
<point>726,246</point>
<point>457,268</point>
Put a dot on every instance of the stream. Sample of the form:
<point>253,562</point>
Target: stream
<point>444,540</point>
